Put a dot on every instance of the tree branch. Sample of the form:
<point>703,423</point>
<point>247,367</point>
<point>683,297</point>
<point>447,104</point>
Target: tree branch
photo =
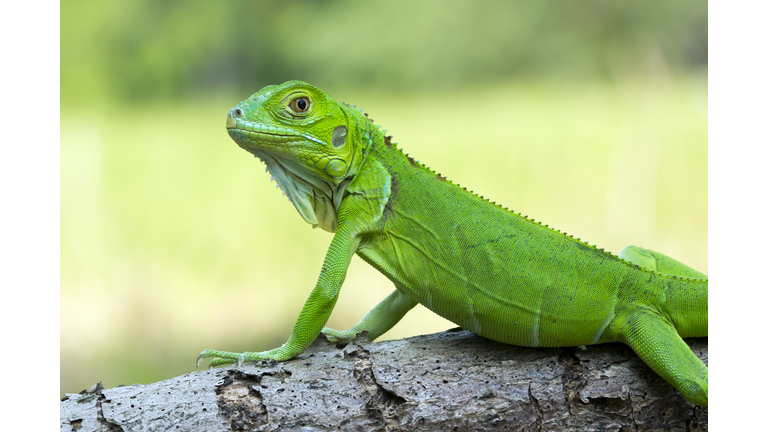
<point>452,380</point>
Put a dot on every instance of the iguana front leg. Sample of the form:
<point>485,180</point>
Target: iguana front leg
<point>378,321</point>
<point>315,312</point>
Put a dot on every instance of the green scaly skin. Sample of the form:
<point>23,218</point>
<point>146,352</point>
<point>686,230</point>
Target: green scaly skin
<point>494,272</point>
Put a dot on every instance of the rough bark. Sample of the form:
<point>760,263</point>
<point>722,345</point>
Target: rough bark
<point>446,381</point>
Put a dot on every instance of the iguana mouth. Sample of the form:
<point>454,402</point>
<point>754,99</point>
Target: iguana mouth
<point>255,134</point>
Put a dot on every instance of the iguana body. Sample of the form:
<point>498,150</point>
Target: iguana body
<point>494,272</point>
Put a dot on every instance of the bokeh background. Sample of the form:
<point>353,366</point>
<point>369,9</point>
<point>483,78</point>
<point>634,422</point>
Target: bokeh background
<point>590,116</point>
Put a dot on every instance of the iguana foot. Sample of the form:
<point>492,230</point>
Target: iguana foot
<point>286,351</point>
<point>221,358</point>
<point>336,336</point>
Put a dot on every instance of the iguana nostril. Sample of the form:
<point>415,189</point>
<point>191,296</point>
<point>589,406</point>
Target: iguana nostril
<point>238,112</point>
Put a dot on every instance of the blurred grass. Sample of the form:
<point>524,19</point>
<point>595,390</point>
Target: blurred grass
<point>173,239</point>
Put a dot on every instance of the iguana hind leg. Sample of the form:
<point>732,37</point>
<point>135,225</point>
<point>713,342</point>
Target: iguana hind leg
<point>656,341</point>
<point>658,262</point>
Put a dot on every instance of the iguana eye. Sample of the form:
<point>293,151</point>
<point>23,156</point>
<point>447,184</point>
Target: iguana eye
<point>300,105</point>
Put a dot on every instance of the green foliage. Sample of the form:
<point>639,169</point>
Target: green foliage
<point>148,49</point>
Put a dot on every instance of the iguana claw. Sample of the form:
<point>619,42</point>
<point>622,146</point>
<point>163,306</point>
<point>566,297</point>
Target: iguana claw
<point>336,336</point>
<point>220,358</point>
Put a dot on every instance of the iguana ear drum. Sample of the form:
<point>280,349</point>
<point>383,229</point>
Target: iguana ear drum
<point>336,167</point>
<point>339,136</point>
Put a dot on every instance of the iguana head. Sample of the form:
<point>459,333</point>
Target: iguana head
<point>310,143</point>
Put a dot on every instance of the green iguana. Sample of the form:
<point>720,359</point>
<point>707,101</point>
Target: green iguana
<point>489,270</point>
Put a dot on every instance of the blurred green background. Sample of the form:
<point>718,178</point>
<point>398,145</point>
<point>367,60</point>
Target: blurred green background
<point>590,116</point>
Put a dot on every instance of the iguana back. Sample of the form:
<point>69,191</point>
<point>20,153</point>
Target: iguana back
<point>502,275</point>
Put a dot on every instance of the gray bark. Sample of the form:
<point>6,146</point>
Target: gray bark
<point>452,380</point>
